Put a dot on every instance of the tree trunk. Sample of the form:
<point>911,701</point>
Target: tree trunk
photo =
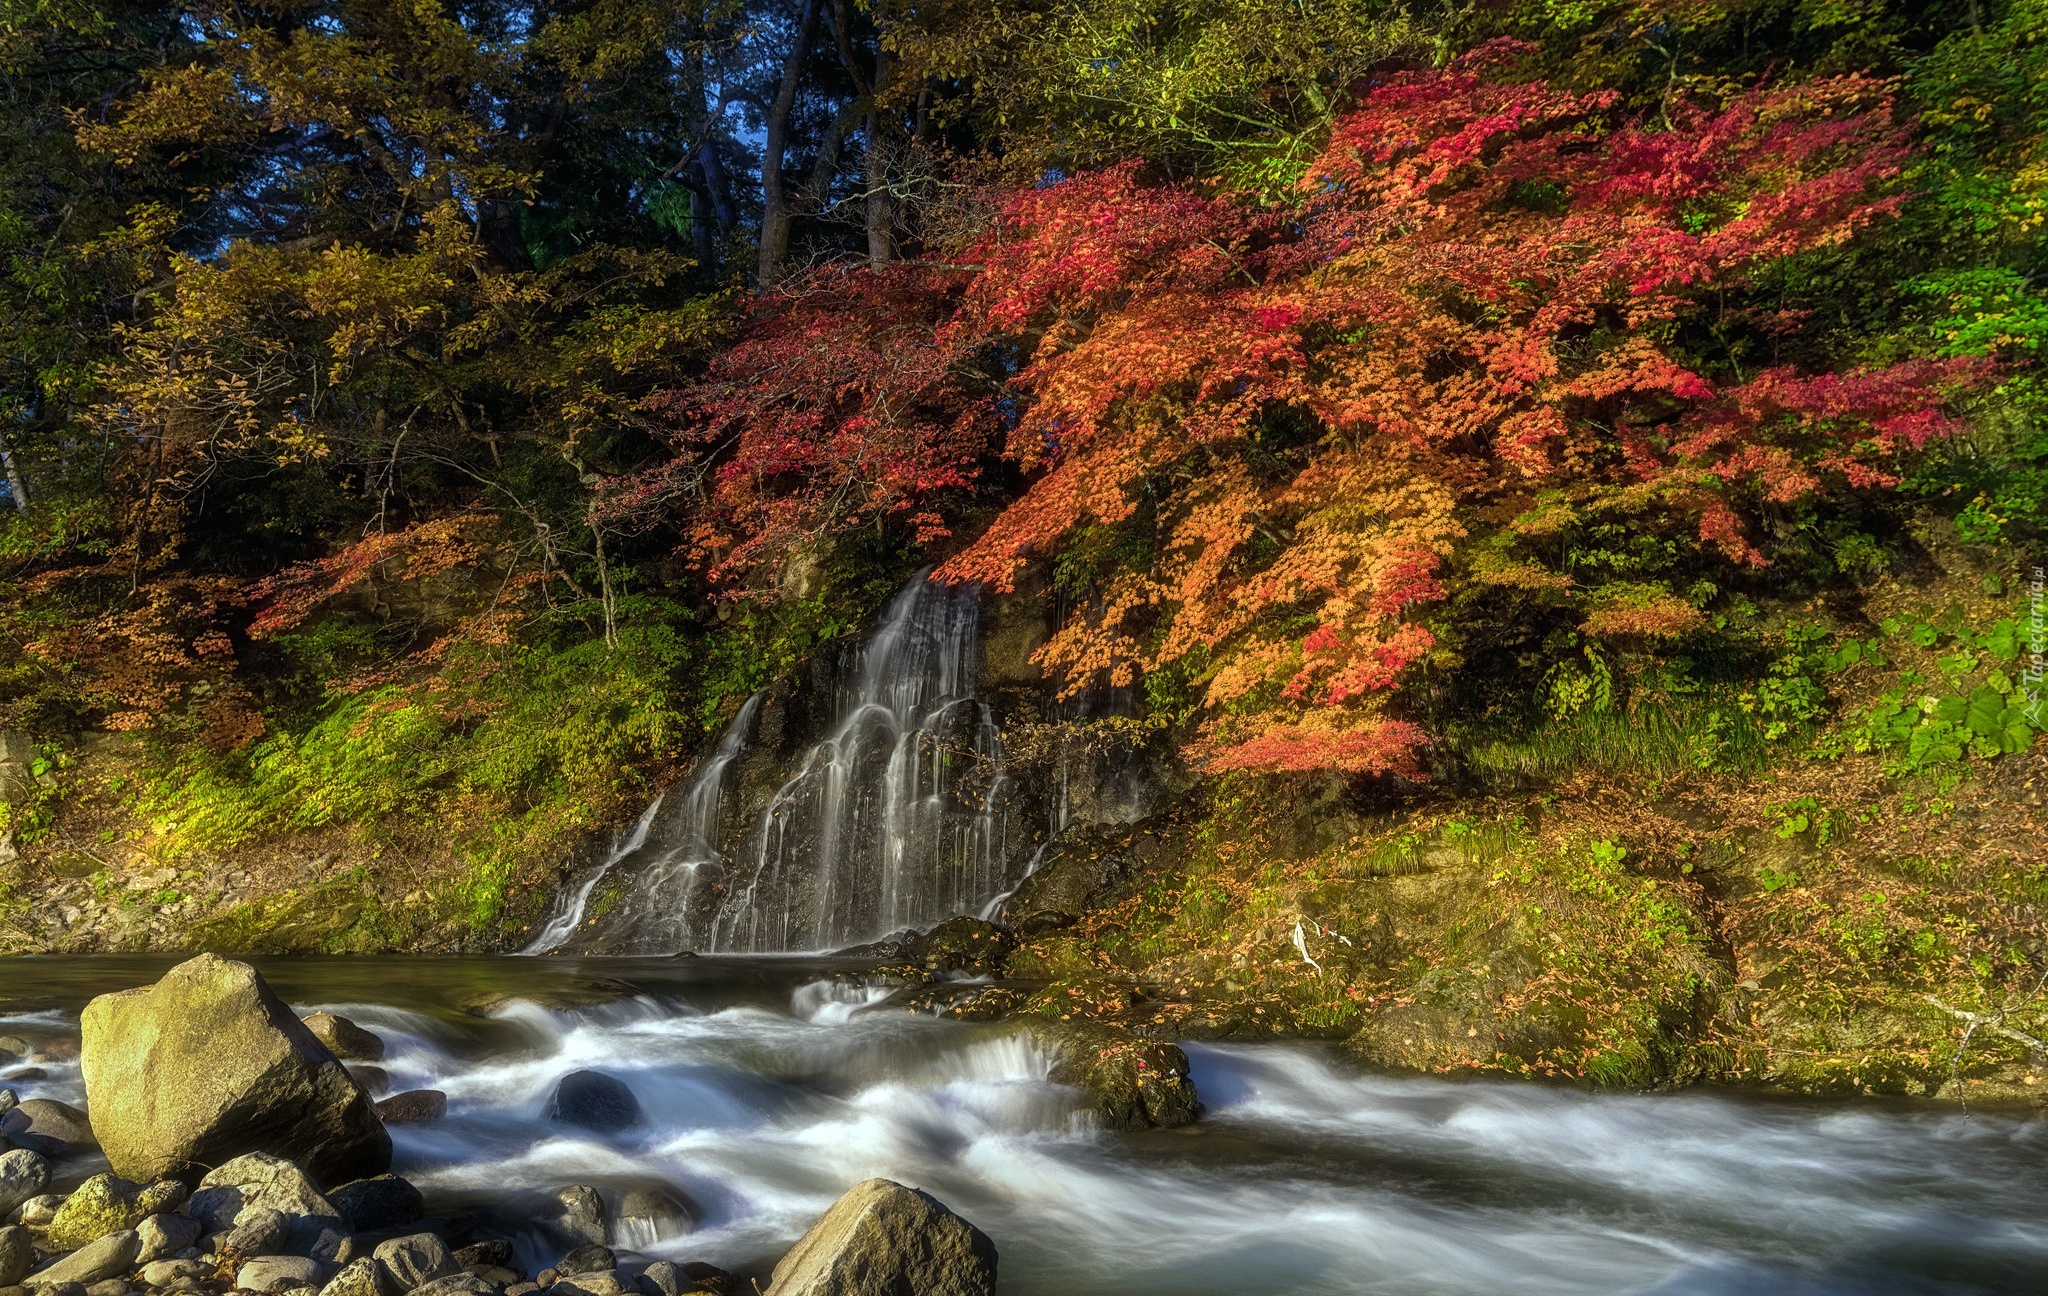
<point>17,489</point>
<point>775,214</point>
<point>881,207</point>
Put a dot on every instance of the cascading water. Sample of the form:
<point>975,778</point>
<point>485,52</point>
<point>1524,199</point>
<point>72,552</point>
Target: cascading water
<point>897,818</point>
<point>655,908</point>
<point>894,820</point>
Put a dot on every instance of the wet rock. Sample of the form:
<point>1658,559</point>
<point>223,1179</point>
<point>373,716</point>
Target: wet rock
<point>1133,1083</point>
<point>413,1106</point>
<point>50,1127</point>
<point>580,1216</point>
<point>107,1204</point>
<point>359,1277</point>
<point>374,1080</point>
<point>162,1273</point>
<point>208,1064</point>
<point>345,1039</point>
<point>663,1278</point>
<point>17,1253</point>
<point>490,1252</point>
<point>960,945</point>
<point>713,1279</point>
<point>650,1213</point>
<point>23,1175</point>
<point>272,1272</point>
<point>165,1235</point>
<point>385,1202</point>
<point>416,1260</point>
<point>883,1239</point>
<point>591,1257</point>
<point>107,1257</point>
<point>594,1101</point>
<point>1085,869</point>
<point>13,1048</point>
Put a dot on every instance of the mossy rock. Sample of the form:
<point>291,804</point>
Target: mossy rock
<point>1132,1083</point>
<point>107,1204</point>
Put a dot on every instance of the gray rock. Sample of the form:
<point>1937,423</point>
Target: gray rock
<point>52,1128</point>
<point>267,1272</point>
<point>208,1064</point>
<point>13,1048</point>
<point>384,1202</point>
<point>216,1208</point>
<point>594,1101</point>
<point>883,1239</point>
<point>362,1276</point>
<point>17,1253</point>
<point>108,1257</point>
<point>109,1287</point>
<point>325,1244</point>
<point>9,1100</point>
<point>648,1214</point>
<point>603,1282</point>
<point>461,1284</point>
<point>165,1235</point>
<point>162,1273</point>
<point>495,1275</point>
<point>271,1182</point>
<point>665,1279</point>
<point>23,1174</point>
<point>258,1231</point>
<point>416,1260</point>
<point>345,1039</point>
<point>54,1289</point>
<point>38,1211</point>
<point>492,1251</point>
<point>590,1258</point>
<point>516,1289</point>
<point>413,1107</point>
<point>581,1216</point>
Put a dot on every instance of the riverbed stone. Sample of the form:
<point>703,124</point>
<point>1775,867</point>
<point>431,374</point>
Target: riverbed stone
<point>107,1204</point>
<point>264,1273</point>
<point>50,1127</point>
<point>1134,1084</point>
<point>272,1182</point>
<point>383,1202</point>
<point>594,1101</point>
<point>412,1107</point>
<point>883,1239</point>
<point>17,1253</point>
<point>362,1276</point>
<point>38,1211</point>
<point>258,1231</point>
<point>460,1284</point>
<point>162,1273</point>
<point>580,1215</point>
<point>53,1289</point>
<point>416,1260</point>
<point>209,1064</point>
<point>665,1278</point>
<point>107,1257</point>
<point>165,1234</point>
<point>109,1287</point>
<point>345,1039</point>
<point>23,1175</point>
<point>591,1257</point>
<point>599,1282</point>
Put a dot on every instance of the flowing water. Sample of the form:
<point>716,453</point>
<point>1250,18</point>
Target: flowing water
<point>770,1087</point>
<point>896,818</point>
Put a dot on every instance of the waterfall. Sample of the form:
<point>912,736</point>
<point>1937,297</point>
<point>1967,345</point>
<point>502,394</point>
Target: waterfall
<point>656,907</point>
<point>897,818</point>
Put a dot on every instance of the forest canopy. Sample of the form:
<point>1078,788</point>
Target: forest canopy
<point>374,374</point>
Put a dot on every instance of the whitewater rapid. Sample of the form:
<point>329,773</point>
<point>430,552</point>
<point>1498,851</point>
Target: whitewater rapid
<point>1303,1176</point>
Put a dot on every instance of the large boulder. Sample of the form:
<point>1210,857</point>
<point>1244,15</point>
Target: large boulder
<point>594,1101</point>
<point>1133,1083</point>
<point>208,1064</point>
<point>259,1179</point>
<point>23,1174</point>
<point>416,1260</point>
<point>883,1239</point>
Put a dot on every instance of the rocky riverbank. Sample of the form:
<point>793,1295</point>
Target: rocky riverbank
<point>245,1154</point>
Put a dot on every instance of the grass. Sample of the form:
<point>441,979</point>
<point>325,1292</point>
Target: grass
<point>1651,739</point>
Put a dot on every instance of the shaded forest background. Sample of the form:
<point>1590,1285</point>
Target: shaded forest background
<point>447,413</point>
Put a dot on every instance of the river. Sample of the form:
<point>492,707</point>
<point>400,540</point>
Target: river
<point>770,1088</point>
